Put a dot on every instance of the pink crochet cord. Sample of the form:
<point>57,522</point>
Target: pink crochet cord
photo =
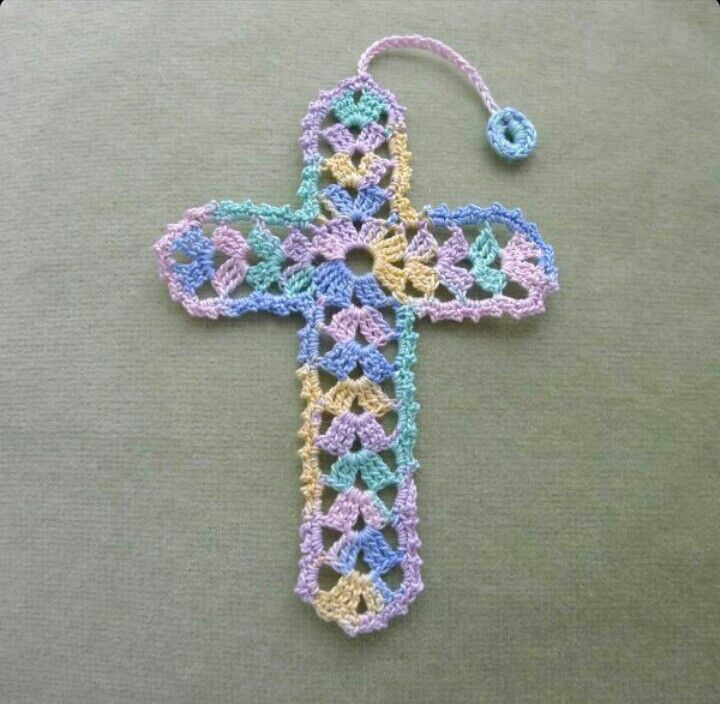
<point>414,41</point>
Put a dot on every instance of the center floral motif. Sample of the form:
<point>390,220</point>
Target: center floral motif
<point>386,243</point>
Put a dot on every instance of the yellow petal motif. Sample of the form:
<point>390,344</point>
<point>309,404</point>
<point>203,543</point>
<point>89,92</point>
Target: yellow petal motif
<point>391,249</point>
<point>422,277</point>
<point>369,395</point>
<point>350,176</point>
<point>386,253</point>
<point>341,602</point>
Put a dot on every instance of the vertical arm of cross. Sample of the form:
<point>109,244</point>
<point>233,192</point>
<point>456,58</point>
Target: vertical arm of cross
<point>437,263</point>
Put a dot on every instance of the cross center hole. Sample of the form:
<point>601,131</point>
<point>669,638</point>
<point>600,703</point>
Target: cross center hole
<point>359,261</point>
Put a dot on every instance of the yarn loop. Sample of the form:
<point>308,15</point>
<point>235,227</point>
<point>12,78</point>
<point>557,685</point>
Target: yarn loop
<point>511,135</point>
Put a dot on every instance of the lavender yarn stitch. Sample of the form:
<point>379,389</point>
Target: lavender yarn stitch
<point>352,458</point>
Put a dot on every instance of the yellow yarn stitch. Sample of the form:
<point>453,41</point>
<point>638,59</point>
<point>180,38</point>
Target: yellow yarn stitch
<point>343,170</point>
<point>400,183</point>
<point>311,391</point>
<point>341,602</point>
<point>388,251</point>
<point>370,397</point>
<point>421,276</point>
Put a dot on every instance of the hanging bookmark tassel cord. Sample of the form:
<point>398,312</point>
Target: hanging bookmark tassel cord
<point>509,132</point>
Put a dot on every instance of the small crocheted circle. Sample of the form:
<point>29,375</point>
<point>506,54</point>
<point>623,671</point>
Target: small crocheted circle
<point>511,134</point>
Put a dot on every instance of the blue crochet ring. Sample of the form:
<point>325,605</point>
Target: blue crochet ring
<point>511,134</point>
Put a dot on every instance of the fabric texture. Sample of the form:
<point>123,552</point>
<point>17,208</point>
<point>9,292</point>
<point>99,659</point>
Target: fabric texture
<point>569,463</point>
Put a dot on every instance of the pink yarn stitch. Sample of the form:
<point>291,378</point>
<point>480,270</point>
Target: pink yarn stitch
<point>359,518</point>
<point>415,41</point>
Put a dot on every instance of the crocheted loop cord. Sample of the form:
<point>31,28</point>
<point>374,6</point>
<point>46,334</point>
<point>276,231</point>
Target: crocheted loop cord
<point>510,134</point>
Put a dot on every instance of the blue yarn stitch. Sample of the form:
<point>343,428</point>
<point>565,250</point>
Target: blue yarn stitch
<point>511,134</point>
<point>496,213</point>
<point>368,201</point>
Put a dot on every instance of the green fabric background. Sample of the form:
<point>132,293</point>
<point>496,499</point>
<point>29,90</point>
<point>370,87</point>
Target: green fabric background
<point>149,484</point>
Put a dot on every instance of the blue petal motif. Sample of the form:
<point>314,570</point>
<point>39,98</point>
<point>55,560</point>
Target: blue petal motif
<point>337,284</point>
<point>194,245</point>
<point>344,357</point>
<point>368,201</point>
<point>374,365</point>
<point>341,359</point>
<point>368,292</point>
<point>376,552</point>
<point>334,281</point>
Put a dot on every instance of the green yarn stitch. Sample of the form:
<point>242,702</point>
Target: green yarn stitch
<point>268,248</point>
<point>483,252</point>
<point>368,108</point>
<point>300,282</point>
<point>374,472</point>
<point>404,379</point>
<point>230,211</point>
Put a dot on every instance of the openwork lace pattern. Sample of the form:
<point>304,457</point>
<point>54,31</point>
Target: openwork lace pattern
<point>360,562</point>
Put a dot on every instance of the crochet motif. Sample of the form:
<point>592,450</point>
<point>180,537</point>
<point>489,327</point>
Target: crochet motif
<point>359,544</point>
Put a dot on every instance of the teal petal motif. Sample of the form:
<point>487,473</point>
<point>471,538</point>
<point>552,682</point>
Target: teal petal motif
<point>268,249</point>
<point>483,253</point>
<point>374,472</point>
<point>300,282</point>
<point>368,108</point>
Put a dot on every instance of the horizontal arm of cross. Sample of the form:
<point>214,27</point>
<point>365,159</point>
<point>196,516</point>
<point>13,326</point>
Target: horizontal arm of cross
<point>260,272</point>
<point>525,260</point>
<point>203,250</point>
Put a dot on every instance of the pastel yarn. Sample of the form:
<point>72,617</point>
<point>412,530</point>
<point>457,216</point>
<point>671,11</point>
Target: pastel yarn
<point>359,544</point>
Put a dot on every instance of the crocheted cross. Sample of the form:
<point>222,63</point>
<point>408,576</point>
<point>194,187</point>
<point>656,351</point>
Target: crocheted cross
<point>358,539</point>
